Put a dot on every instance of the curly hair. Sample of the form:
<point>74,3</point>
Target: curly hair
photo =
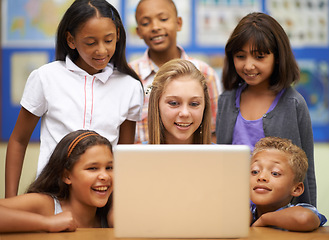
<point>296,157</point>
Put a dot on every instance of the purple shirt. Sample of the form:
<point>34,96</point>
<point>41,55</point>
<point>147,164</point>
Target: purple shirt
<point>249,132</point>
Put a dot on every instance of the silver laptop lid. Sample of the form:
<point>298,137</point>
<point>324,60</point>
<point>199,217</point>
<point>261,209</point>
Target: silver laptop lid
<point>181,191</point>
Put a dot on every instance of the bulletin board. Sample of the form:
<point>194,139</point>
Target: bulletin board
<point>28,38</point>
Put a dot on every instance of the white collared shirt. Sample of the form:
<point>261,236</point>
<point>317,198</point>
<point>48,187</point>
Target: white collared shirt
<point>67,99</point>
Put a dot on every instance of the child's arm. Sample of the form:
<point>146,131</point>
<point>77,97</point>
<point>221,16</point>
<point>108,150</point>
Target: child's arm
<point>16,148</point>
<point>33,212</point>
<point>294,219</point>
<point>13,220</point>
<point>127,132</point>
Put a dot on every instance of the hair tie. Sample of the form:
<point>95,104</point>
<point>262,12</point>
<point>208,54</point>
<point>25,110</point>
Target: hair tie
<point>149,89</point>
<point>113,17</point>
<point>77,140</point>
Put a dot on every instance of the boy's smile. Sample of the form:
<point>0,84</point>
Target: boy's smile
<point>157,24</point>
<point>272,184</point>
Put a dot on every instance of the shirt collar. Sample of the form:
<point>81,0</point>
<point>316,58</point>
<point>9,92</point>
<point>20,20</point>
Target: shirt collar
<point>102,76</point>
<point>148,67</point>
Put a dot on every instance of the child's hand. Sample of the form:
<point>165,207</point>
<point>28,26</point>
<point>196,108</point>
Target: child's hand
<point>61,222</point>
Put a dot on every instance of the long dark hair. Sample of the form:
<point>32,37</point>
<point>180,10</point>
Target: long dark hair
<point>65,155</point>
<point>266,36</point>
<point>80,12</point>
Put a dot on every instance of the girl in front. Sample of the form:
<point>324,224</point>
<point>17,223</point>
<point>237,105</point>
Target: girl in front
<point>73,190</point>
<point>259,101</point>
<point>89,86</point>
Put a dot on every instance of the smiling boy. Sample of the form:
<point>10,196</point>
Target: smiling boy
<point>278,169</point>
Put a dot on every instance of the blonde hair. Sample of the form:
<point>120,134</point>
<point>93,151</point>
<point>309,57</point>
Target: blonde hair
<point>296,157</point>
<point>169,71</point>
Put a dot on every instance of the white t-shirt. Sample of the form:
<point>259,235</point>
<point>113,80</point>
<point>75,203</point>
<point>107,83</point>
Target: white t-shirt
<point>67,99</point>
<point>57,206</point>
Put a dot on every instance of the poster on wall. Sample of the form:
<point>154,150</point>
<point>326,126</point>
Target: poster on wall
<point>305,22</point>
<point>215,20</point>
<point>33,23</point>
<point>314,87</point>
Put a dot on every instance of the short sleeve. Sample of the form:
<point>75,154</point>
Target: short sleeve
<point>33,98</point>
<point>321,217</point>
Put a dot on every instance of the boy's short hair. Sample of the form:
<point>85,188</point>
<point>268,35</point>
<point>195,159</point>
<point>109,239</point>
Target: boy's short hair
<point>169,1</point>
<point>296,156</point>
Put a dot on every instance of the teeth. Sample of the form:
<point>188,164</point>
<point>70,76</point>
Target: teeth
<point>101,188</point>
<point>252,75</point>
<point>183,124</point>
<point>157,38</point>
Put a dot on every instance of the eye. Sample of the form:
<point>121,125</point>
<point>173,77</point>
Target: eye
<point>92,168</point>
<point>260,56</point>
<point>144,23</point>
<point>194,104</point>
<point>90,44</point>
<point>109,41</point>
<point>109,168</point>
<point>163,19</point>
<point>173,103</point>
<point>239,56</point>
<point>276,174</point>
<point>254,172</point>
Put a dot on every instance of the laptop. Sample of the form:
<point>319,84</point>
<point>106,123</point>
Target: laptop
<point>181,191</point>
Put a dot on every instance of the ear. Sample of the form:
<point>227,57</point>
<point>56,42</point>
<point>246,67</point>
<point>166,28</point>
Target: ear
<point>70,40</point>
<point>179,23</point>
<point>138,33</point>
<point>118,34</point>
<point>66,177</point>
<point>298,189</point>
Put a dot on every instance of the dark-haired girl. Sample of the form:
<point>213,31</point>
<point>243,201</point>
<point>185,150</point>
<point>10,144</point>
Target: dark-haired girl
<point>73,190</point>
<point>259,100</point>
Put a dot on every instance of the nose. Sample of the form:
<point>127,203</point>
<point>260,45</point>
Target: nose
<point>262,177</point>
<point>249,64</point>
<point>104,175</point>
<point>101,49</point>
<point>184,111</point>
<point>155,25</point>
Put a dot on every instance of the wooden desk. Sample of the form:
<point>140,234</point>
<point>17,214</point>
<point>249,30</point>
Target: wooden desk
<point>256,233</point>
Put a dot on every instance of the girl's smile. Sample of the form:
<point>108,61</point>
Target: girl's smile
<point>91,177</point>
<point>181,109</point>
<point>96,44</point>
<point>253,67</point>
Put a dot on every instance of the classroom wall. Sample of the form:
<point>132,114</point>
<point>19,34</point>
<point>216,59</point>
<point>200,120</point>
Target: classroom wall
<point>321,152</point>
